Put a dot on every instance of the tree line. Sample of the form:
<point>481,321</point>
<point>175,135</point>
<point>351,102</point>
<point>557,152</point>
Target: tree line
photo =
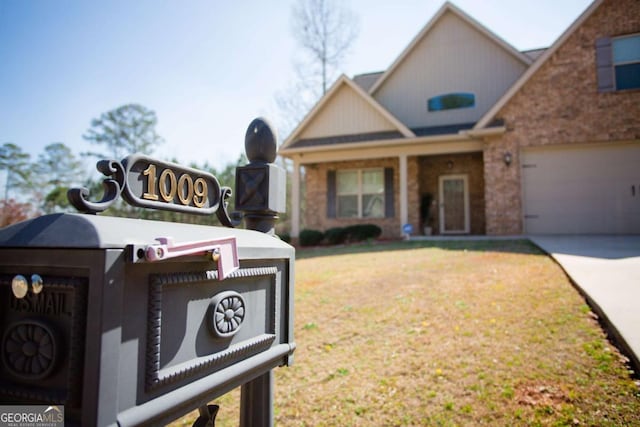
<point>325,31</point>
<point>34,187</point>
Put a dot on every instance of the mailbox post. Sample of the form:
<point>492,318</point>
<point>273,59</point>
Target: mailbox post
<point>261,195</point>
<point>133,322</point>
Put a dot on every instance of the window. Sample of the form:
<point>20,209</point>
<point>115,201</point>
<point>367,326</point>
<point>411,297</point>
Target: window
<point>451,101</point>
<point>360,193</point>
<point>626,61</point>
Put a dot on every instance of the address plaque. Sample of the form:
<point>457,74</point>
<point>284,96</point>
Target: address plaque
<point>151,183</point>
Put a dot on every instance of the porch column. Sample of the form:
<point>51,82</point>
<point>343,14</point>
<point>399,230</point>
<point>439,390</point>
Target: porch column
<point>404,203</point>
<point>295,200</point>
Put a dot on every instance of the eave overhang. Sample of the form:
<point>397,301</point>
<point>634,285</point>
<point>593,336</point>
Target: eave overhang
<point>463,141</point>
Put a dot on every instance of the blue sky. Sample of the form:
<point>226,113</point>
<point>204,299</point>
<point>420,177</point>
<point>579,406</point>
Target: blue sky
<point>206,67</point>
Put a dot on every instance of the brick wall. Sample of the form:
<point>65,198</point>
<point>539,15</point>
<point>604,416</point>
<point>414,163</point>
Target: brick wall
<point>422,174</point>
<point>560,104</point>
<point>315,216</point>
<point>413,194</point>
<point>316,197</point>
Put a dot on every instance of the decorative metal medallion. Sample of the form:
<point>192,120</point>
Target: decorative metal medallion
<point>227,314</point>
<point>29,350</point>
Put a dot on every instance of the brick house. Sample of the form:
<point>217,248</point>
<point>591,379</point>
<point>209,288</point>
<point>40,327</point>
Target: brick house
<point>467,135</point>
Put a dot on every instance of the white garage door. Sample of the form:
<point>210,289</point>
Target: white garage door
<point>591,189</point>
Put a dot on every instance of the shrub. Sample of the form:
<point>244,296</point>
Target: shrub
<point>336,235</point>
<point>310,237</point>
<point>285,237</point>
<point>360,232</point>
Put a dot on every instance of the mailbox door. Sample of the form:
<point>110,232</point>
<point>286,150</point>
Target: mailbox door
<point>190,337</point>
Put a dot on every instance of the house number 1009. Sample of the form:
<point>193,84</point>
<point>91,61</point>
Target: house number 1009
<point>187,190</point>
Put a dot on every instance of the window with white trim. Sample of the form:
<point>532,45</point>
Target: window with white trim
<point>626,61</point>
<point>360,193</point>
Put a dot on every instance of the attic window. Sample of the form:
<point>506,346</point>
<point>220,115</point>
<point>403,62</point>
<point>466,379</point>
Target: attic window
<point>451,101</point>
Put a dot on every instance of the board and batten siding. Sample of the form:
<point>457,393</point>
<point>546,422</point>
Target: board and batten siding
<point>348,113</point>
<point>452,57</point>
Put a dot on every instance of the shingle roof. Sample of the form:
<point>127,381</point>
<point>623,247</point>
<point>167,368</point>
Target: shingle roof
<point>534,53</point>
<point>342,139</point>
<point>442,130</point>
<point>365,81</point>
<point>378,136</point>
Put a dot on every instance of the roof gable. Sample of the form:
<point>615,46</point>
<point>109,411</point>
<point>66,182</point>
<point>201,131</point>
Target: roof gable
<point>346,109</point>
<point>488,117</point>
<point>446,8</point>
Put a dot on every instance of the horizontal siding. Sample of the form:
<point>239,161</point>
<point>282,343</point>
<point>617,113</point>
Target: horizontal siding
<point>346,113</point>
<point>452,57</point>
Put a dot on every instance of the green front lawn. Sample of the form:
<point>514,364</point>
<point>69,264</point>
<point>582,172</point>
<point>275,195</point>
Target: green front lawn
<point>435,333</point>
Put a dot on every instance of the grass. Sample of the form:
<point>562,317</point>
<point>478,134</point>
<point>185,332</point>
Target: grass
<point>444,334</point>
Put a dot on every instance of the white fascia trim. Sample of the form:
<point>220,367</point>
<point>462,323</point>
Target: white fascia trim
<point>404,130</point>
<point>484,132</point>
<point>325,98</point>
<point>491,35</point>
<point>373,144</point>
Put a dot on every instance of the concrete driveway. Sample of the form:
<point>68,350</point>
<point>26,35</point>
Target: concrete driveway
<point>607,270</point>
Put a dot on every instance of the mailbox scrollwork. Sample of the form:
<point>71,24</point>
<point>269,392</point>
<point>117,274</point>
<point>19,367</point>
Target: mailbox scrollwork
<point>151,183</point>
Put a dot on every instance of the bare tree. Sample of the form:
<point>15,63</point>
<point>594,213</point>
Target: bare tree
<point>293,103</point>
<point>325,29</point>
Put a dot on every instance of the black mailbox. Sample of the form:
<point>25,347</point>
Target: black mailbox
<point>129,322</point>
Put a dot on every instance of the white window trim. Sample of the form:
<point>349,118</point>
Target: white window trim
<point>614,64</point>
<point>626,36</point>
<point>359,194</point>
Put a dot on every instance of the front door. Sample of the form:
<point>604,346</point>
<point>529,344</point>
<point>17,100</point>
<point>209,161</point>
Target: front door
<point>454,204</point>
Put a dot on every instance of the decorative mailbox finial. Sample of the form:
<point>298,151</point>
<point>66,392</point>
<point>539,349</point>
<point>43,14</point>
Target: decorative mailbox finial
<point>260,185</point>
<point>260,142</point>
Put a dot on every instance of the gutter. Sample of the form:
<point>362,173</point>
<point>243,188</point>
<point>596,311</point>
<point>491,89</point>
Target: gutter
<point>470,134</point>
<point>374,144</point>
<point>484,132</point>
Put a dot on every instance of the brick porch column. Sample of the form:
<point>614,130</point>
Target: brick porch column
<point>295,200</point>
<point>404,203</point>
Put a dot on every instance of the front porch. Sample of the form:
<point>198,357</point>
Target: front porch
<point>450,167</point>
<point>455,185</point>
